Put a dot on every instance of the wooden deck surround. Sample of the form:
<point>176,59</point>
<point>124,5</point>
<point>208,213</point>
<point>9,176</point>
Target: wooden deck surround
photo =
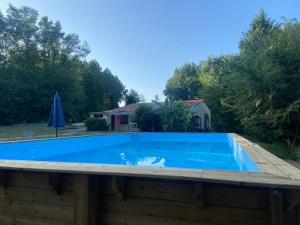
<point>56,193</point>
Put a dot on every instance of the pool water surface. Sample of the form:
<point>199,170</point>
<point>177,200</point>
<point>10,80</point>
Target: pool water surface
<point>177,150</point>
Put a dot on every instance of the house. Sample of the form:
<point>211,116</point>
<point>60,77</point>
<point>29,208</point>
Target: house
<point>201,114</point>
<point>122,118</point>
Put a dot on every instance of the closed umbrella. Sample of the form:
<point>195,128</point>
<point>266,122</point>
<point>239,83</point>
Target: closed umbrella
<point>56,118</point>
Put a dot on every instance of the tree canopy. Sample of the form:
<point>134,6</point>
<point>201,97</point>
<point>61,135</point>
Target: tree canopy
<point>256,91</point>
<point>36,59</point>
<point>133,96</point>
<point>184,84</point>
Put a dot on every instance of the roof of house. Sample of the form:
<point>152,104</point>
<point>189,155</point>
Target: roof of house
<point>192,102</point>
<point>131,108</point>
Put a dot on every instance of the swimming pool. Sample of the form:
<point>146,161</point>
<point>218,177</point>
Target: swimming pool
<point>177,150</point>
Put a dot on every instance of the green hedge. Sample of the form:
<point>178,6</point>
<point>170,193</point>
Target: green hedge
<point>96,124</point>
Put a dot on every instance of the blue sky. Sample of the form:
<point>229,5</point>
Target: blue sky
<point>143,41</point>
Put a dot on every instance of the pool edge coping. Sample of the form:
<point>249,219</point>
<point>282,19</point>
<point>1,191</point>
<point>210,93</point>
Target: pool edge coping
<point>266,161</point>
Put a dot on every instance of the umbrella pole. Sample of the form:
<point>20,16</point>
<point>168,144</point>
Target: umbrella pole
<point>56,131</point>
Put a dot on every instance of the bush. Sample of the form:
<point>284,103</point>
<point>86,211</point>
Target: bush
<point>148,119</point>
<point>175,117</point>
<point>96,124</point>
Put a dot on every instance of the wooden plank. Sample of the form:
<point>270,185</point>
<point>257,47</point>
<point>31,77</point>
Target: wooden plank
<point>94,200</point>
<point>6,220</point>
<point>297,211</point>
<point>237,197</point>
<point>29,196</point>
<point>155,188</point>
<point>36,195</point>
<point>4,178</point>
<point>81,199</point>
<point>118,186</point>
<point>290,171</point>
<point>36,210</point>
<point>55,181</point>
<point>184,191</point>
<point>266,161</point>
<point>182,211</point>
<point>29,179</point>
<point>200,196</point>
<point>22,220</point>
<point>276,202</point>
<point>230,177</point>
<point>292,200</point>
<point>112,218</point>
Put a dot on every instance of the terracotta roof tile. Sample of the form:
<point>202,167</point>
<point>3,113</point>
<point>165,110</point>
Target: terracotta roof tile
<point>131,108</point>
<point>192,102</point>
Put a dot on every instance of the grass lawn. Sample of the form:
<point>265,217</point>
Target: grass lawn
<point>15,132</point>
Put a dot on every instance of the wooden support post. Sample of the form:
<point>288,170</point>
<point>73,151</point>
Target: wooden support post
<point>81,199</point>
<point>4,178</point>
<point>276,207</point>
<point>86,199</point>
<point>118,186</point>
<point>94,197</point>
<point>55,181</point>
<point>199,191</point>
<point>297,210</point>
<point>292,200</point>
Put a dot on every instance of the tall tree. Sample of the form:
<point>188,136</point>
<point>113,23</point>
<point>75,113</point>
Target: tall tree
<point>184,83</point>
<point>257,90</point>
<point>36,59</point>
<point>214,75</point>
<point>133,97</point>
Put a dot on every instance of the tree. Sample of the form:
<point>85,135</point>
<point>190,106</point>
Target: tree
<point>175,117</point>
<point>92,87</point>
<point>184,84</point>
<point>133,97</point>
<point>36,59</point>
<point>215,74</point>
<point>148,119</point>
<point>156,98</point>
<point>255,91</point>
<point>113,88</point>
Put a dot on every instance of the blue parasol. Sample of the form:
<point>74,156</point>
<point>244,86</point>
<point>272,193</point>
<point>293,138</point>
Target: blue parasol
<point>56,118</point>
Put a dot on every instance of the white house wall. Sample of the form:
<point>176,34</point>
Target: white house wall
<point>200,110</point>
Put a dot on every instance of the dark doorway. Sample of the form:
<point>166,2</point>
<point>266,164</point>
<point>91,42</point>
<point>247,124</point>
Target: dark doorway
<point>206,122</point>
<point>112,122</point>
<point>196,123</point>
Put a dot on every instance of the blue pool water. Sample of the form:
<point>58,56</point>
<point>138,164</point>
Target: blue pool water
<point>194,151</point>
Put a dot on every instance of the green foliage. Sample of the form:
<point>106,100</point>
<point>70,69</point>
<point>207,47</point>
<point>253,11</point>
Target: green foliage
<point>133,97</point>
<point>96,124</point>
<point>184,84</point>
<point>175,117</point>
<point>148,119</point>
<point>214,75</point>
<point>36,59</point>
<point>170,116</point>
<point>256,91</point>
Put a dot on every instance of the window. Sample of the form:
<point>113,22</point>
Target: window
<point>124,119</point>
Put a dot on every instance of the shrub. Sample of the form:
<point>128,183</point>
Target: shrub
<point>96,124</point>
<point>175,117</point>
<point>148,119</point>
